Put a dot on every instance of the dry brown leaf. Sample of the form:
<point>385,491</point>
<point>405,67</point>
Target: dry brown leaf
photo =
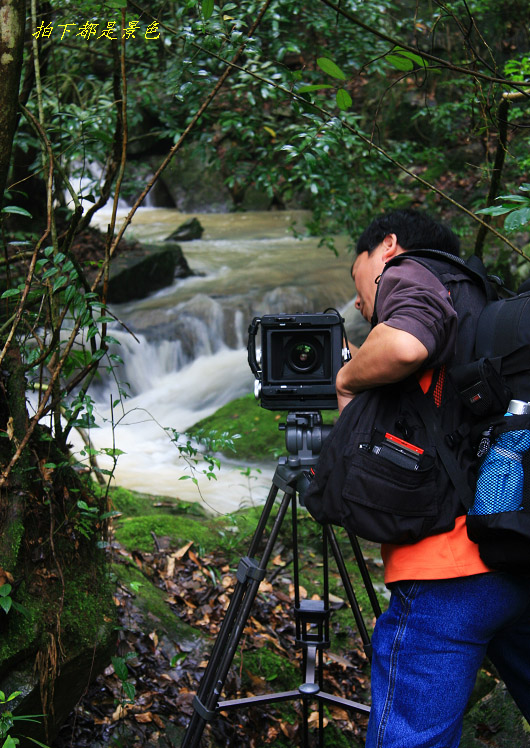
<point>5,577</point>
<point>339,659</point>
<point>120,712</point>
<point>339,713</point>
<point>170,570</point>
<point>194,558</point>
<point>302,591</point>
<point>182,551</point>
<point>288,730</point>
<point>143,718</point>
<point>314,720</point>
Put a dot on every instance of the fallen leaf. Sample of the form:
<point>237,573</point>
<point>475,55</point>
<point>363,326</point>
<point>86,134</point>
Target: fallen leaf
<point>314,720</point>
<point>182,551</point>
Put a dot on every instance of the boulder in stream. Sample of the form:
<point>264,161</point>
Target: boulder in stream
<point>187,231</point>
<point>139,272</point>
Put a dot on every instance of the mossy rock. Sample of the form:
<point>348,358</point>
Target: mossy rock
<point>150,602</point>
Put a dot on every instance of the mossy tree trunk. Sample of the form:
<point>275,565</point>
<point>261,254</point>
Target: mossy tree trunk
<point>12,23</point>
<point>14,424</point>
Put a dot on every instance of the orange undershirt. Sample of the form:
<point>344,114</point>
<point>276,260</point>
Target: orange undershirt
<point>444,556</point>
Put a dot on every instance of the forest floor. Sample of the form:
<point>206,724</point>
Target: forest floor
<point>144,698</point>
<point>171,597</point>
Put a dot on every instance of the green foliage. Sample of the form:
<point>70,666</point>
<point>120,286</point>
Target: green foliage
<point>515,207</point>
<point>7,722</point>
<point>122,672</point>
<point>7,602</point>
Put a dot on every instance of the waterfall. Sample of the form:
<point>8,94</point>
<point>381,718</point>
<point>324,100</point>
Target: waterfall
<point>188,356</point>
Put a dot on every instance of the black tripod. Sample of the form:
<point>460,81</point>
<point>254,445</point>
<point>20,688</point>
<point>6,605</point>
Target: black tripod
<point>304,435</point>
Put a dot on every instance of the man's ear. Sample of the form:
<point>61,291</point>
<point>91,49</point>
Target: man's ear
<point>390,247</point>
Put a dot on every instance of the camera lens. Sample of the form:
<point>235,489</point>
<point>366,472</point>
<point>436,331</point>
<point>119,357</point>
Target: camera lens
<point>303,357</point>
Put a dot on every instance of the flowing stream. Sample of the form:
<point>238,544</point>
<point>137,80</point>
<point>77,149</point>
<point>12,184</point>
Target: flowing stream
<point>188,354</point>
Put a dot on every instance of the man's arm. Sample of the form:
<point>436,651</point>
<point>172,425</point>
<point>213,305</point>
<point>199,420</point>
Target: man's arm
<point>387,355</point>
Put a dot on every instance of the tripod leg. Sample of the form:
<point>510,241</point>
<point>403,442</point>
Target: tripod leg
<point>369,587</point>
<point>249,576</point>
<point>329,535</point>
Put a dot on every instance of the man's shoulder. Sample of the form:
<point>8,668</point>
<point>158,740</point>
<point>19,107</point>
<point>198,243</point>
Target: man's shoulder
<point>413,273</point>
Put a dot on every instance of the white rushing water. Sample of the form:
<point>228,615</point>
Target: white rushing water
<point>189,356</point>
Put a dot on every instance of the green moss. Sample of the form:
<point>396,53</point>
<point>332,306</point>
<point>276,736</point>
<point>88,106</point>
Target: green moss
<point>88,606</point>
<point>13,535</point>
<point>270,666</point>
<point>136,533</point>
<point>134,504</point>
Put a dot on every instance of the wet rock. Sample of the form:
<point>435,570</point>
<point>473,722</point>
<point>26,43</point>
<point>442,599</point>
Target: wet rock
<point>140,272</point>
<point>189,230</point>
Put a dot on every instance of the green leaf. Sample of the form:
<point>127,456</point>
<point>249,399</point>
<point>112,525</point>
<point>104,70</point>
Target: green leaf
<point>60,281</point>
<point>70,293</point>
<point>37,742</point>
<point>315,87</point>
<point>5,604</point>
<point>10,292</point>
<point>514,198</point>
<point>21,609</point>
<point>120,668</point>
<point>344,100</point>
<point>129,689</point>
<point>404,60</point>
<point>329,67</point>
<point>495,210</point>
<point>5,590</point>
<point>517,219</point>
<point>207,8</point>
<point>17,210</point>
<point>10,742</point>
<point>399,62</point>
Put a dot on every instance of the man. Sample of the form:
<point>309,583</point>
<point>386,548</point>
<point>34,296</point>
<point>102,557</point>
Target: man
<point>447,609</point>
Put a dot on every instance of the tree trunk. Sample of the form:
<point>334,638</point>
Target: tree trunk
<point>12,24</point>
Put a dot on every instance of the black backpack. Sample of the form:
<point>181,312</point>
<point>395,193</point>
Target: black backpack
<point>397,467</point>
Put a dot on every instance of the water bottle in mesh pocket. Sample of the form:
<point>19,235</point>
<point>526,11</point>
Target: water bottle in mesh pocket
<point>499,519</point>
<point>500,482</point>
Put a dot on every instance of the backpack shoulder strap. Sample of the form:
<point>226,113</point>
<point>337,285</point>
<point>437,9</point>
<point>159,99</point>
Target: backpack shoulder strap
<point>438,263</point>
<point>473,267</point>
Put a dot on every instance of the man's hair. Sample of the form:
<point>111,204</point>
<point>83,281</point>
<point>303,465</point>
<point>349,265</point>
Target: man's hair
<point>413,229</point>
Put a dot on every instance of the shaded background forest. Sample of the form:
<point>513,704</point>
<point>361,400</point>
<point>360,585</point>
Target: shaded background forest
<point>337,109</point>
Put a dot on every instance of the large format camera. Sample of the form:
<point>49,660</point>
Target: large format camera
<point>299,359</point>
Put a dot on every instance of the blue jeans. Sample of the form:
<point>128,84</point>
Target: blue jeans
<point>428,647</point>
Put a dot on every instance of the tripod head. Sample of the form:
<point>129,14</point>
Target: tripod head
<point>304,435</point>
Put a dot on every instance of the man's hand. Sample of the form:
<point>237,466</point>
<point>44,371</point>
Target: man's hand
<point>387,355</point>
